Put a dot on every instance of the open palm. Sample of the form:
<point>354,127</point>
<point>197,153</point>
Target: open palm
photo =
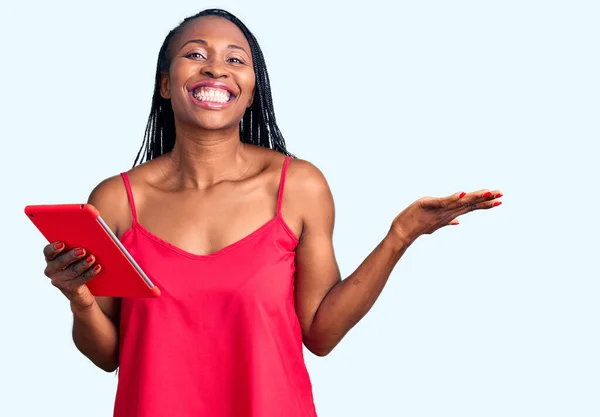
<point>429,214</point>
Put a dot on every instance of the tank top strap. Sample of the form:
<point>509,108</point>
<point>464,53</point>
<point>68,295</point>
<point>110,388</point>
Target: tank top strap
<point>130,198</point>
<point>282,184</point>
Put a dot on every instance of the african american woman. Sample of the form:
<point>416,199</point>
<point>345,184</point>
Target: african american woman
<point>237,234</point>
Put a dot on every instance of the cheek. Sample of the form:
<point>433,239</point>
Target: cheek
<point>178,75</point>
<point>248,82</point>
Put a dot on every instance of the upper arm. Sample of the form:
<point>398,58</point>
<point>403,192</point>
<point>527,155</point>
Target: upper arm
<point>316,267</point>
<point>110,199</point>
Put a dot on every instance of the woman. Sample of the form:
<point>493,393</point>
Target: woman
<point>238,236</point>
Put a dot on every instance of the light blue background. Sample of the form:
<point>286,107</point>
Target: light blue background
<point>393,101</point>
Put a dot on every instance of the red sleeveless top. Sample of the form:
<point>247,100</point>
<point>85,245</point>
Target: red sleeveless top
<point>223,339</point>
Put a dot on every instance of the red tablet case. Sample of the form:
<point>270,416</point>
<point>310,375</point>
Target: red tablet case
<point>80,225</point>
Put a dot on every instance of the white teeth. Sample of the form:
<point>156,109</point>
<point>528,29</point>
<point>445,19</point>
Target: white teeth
<point>215,95</point>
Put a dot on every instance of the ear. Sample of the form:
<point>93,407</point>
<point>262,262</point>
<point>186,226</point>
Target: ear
<point>165,85</point>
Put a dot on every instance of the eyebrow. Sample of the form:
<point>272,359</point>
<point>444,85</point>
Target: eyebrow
<point>203,42</point>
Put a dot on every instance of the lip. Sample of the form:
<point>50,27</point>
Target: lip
<point>212,84</point>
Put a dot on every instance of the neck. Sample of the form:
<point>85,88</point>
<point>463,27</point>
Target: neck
<point>205,158</point>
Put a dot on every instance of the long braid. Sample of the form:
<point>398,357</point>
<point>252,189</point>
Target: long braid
<point>258,125</point>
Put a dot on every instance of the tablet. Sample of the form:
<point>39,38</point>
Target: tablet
<point>80,226</point>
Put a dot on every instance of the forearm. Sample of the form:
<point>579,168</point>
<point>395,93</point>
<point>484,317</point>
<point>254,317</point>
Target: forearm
<point>97,337</point>
<point>350,300</point>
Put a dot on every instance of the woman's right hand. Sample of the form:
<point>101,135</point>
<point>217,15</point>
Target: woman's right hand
<point>70,271</point>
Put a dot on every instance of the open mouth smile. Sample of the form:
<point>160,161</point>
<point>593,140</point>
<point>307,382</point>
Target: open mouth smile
<point>212,94</point>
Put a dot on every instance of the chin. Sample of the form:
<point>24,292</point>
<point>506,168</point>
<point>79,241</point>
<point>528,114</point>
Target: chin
<point>216,122</point>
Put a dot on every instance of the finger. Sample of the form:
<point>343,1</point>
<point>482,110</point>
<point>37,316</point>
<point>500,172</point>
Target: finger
<point>482,205</point>
<point>63,260</point>
<point>448,202</point>
<point>83,278</point>
<point>451,223</point>
<point>52,250</point>
<point>470,199</point>
<point>63,279</point>
<point>455,199</point>
<point>491,194</point>
<point>77,268</point>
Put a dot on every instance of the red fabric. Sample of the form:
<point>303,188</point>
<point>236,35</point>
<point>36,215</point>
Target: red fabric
<point>223,339</point>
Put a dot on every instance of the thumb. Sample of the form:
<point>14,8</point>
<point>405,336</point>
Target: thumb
<point>451,223</point>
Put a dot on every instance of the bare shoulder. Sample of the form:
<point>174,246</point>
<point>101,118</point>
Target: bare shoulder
<point>301,174</point>
<point>110,198</point>
<point>306,181</point>
<point>309,196</point>
<point>148,172</point>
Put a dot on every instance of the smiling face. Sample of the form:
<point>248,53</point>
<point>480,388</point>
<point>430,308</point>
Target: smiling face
<point>211,77</point>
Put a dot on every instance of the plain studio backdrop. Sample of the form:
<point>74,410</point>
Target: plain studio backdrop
<point>392,101</point>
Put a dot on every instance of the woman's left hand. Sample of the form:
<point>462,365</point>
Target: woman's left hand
<point>429,214</point>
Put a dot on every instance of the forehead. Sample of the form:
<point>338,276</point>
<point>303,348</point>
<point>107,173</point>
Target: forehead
<point>214,30</point>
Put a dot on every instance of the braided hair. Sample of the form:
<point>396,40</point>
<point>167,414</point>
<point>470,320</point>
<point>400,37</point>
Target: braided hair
<point>258,125</point>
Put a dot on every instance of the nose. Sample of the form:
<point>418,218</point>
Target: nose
<point>214,69</point>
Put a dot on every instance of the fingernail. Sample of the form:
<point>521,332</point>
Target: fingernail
<point>89,259</point>
<point>59,245</point>
<point>497,203</point>
<point>462,194</point>
<point>498,195</point>
<point>488,194</point>
<point>96,267</point>
<point>79,252</point>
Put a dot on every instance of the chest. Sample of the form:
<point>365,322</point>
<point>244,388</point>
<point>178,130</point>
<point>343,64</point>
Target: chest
<point>206,222</point>
<point>256,272</point>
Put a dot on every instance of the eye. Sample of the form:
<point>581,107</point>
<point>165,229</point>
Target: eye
<point>195,55</point>
<point>235,61</point>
